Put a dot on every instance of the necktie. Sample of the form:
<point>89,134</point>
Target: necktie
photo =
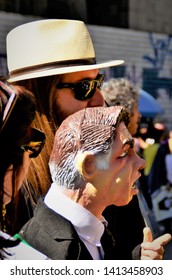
<point>100,253</point>
<point>108,244</point>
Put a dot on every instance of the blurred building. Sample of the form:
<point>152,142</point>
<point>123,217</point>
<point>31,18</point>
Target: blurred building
<point>145,15</point>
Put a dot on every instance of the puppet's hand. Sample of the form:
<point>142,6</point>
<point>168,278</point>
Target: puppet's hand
<point>153,249</point>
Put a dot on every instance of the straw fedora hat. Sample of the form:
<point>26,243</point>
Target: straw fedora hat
<point>51,47</point>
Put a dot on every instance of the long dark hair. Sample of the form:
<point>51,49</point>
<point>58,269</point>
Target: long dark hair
<point>11,136</point>
<point>44,89</point>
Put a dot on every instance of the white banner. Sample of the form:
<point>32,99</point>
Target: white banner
<point>73,270</point>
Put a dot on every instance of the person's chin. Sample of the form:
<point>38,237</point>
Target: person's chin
<point>125,202</point>
<point>134,191</point>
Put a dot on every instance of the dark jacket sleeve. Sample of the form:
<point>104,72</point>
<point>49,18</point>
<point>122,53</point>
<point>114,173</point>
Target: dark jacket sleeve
<point>136,253</point>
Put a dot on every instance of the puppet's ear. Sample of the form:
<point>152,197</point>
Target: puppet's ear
<point>86,164</point>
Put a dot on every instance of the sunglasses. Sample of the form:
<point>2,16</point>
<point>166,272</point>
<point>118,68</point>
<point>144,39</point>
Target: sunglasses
<point>85,89</point>
<point>8,100</point>
<point>35,143</point>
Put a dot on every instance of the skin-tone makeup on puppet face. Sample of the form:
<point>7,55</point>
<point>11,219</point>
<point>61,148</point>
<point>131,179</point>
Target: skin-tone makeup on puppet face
<point>115,184</point>
<point>64,101</point>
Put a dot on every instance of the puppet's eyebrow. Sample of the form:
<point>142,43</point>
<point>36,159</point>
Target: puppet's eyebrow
<point>130,142</point>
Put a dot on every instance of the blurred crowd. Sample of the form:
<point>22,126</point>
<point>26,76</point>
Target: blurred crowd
<point>156,181</point>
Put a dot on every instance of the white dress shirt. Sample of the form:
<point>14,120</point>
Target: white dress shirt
<point>88,227</point>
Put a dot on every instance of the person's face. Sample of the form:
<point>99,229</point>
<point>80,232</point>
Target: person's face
<point>64,102</point>
<point>134,120</point>
<point>116,184</point>
<point>20,176</point>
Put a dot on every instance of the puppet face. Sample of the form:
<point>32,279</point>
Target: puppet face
<point>115,184</point>
<point>93,154</point>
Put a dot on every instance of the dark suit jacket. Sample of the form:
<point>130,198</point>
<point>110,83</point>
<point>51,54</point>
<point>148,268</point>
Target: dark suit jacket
<point>53,235</point>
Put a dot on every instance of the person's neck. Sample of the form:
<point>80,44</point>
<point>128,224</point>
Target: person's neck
<point>87,198</point>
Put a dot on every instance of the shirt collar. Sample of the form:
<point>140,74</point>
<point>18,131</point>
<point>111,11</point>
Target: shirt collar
<point>88,226</point>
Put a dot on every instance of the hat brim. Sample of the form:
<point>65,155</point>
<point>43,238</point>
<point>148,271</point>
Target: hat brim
<point>62,70</point>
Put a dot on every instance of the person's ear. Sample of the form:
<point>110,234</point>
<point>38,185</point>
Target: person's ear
<point>86,165</point>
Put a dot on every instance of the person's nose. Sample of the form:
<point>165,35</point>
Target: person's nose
<point>141,162</point>
<point>97,99</point>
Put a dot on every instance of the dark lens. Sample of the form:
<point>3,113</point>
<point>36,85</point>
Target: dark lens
<point>35,150</point>
<point>36,142</point>
<point>85,90</point>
